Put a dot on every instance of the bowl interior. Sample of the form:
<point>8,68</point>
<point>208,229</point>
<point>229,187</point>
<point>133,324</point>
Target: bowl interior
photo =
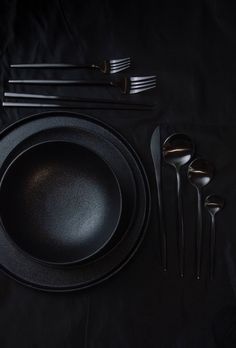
<point>60,202</point>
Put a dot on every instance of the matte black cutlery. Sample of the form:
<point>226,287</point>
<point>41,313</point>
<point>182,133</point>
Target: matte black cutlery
<point>200,173</point>
<point>111,66</point>
<point>127,85</point>
<point>56,98</point>
<point>178,149</point>
<point>213,204</point>
<point>155,146</point>
<point>74,105</point>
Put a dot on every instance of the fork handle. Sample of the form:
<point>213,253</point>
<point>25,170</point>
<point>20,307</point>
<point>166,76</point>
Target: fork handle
<point>54,66</point>
<point>63,82</point>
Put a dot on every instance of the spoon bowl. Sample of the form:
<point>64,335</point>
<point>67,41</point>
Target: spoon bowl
<point>178,149</point>
<point>200,172</point>
<point>214,204</point>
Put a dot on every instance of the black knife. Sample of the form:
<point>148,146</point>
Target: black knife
<point>56,98</point>
<point>73,105</point>
<point>156,157</point>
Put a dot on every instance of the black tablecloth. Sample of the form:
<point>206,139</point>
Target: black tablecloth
<point>191,48</point>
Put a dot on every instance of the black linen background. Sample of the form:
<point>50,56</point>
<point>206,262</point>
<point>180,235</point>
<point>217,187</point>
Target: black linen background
<point>191,48</point>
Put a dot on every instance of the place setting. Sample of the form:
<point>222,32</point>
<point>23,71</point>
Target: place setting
<point>75,198</point>
<point>117,175</point>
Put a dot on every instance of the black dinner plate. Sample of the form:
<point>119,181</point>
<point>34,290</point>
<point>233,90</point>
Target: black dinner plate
<point>19,255</point>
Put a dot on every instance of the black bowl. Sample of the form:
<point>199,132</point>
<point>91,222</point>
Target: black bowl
<point>55,202</point>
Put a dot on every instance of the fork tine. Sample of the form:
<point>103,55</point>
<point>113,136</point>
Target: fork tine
<point>138,90</point>
<point>115,68</point>
<point>143,82</point>
<point>113,71</point>
<point>139,78</point>
<point>119,65</point>
<point>111,61</point>
<point>143,85</point>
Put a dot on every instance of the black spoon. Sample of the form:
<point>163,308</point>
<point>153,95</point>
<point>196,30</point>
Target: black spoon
<point>177,151</point>
<point>200,173</point>
<point>213,204</point>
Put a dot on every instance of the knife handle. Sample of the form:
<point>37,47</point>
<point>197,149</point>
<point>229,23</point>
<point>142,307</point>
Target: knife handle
<point>62,82</point>
<point>73,105</point>
<point>75,99</point>
<point>162,226</point>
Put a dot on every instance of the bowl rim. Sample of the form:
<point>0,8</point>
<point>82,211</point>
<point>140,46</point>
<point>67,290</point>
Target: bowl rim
<point>79,260</point>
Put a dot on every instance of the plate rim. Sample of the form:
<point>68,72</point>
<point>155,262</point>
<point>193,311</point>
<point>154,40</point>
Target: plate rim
<point>143,174</point>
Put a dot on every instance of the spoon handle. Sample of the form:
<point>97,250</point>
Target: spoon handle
<point>212,247</point>
<point>181,239</point>
<point>199,233</point>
